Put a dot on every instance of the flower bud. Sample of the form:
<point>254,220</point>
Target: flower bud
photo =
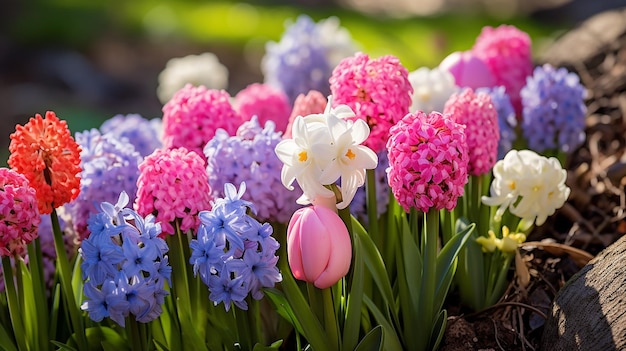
<point>318,246</point>
<point>468,70</point>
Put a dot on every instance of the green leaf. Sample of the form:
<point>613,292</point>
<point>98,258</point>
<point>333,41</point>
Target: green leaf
<point>354,300</point>
<point>470,274</point>
<point>282,307</point>
<point>373,341</point>
<point>376,266</point>
<point>412,266</point>
<point>274,346</point>
<point>6,344</point>
<point>439,328</point>
<point>62,346</point>
<point>160,346</point>
<point>101,334</point>
<point>390,338</point>
<point>446,260</point>
<point>312,329</point>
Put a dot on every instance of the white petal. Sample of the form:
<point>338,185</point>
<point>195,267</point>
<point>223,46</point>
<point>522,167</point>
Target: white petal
<point>360,131</point>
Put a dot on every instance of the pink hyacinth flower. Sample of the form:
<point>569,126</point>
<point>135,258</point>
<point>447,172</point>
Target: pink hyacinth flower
<point>19,213</point>
<point>311,103</point>
<point>193,114</point>
<point>266,102</point>
<point>377,90</point>
<point>428,160</point>
<point>318,246</point>
<point>507,52</point>
<point>468,70</point>
<point>174,186</point>
<point>478,114</point>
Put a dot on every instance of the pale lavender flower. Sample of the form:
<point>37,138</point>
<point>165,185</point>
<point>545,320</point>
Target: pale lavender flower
<point>507,120</point>
<point>144,134</point>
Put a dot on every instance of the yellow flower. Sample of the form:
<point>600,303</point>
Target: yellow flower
<point>488,244</point>
<point>510,241</point>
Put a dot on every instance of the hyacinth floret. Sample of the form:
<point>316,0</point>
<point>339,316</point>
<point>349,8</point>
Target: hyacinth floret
<point>431,89</point>
<point>233,253</point>
<point>124,265</point>
<point>428,161</point>
<point>304,57</point>
<point>173,186</point>
<point>193,114</point>
<point>266,102</point>
<point>249,157</point>
<point>507,121</point>
<point>19,213</point>
<point>554,110</point>
<point>507,52</point>
<point>144,134</point>
<point>478,114</point>
<point>377,90</point>
<point>44,151</point>
<point>109,165</point>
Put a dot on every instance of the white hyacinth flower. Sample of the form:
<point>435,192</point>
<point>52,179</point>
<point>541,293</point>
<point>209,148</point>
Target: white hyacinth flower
<point>325,147</point>
<point>531,186</point>
<point>204,69</point>
<point>336,40</point>
<point>431,89</point>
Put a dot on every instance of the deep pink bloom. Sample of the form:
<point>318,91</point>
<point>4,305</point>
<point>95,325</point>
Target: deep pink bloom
<point>266,102</point>
<point>427,161</point>
<point>193,114</point>
<point>468,70</point>
<point>378,91</point>
<point>19,213</point>
<point>318,246</point>
<point>173,185</point>
<point>507,52</point>
<point>480,117</point>
<point>311,103</point>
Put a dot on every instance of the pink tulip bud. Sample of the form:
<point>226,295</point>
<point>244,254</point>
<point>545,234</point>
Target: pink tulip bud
<point>468,70</point>
<point>318,246</point>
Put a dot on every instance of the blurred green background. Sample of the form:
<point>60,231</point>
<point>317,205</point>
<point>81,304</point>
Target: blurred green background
<point>89,60</point>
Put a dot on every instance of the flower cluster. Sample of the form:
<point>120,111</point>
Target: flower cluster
<point>174,187</point>
<point>109,165</point>
<point>324,148</point>
<point>124,265</point>
<point>204,69</point>
<point>192,116</point>
<point>468,70</point>
<point>305,56</point>
<point>554,110</point>
<point>480,118</point>
<point>143,134</point>
<point>506,118</point>
<point>19,214</point>
<point>249,157</point>
<point>431,89</point>
<point>44,151</point>
<point>507,52</point>
<point>233,253</point>
<point>529,185</point>
<point>428,161</point>
<point>377,90</point>
<point>265,102</point>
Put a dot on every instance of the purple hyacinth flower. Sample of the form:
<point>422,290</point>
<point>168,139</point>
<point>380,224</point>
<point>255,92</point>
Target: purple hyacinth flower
<point>554,110</point>
<point>144,134</point>
<point>507,121</point>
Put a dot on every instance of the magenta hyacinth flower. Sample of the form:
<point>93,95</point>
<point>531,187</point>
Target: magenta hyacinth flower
<point>507,52</point>
<point>428,161</point>
<point>193,114</point>
<point>480,117</point>
<point>19,213</point>
<point>468,70</point>
<point>173,186</point>
<point>311,103</point>
<point>318,246</point>
<point>377,90</point>
<point>266,102</point>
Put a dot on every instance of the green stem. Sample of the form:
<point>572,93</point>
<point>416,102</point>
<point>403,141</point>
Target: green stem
<point>429,281</point>
<point>243,329</point>
<point>330,319</point>
<point>65,273</point>
<point>314,301</point>
<point>372,209</point>
<point>39,286</point>
<point>14,309</point>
